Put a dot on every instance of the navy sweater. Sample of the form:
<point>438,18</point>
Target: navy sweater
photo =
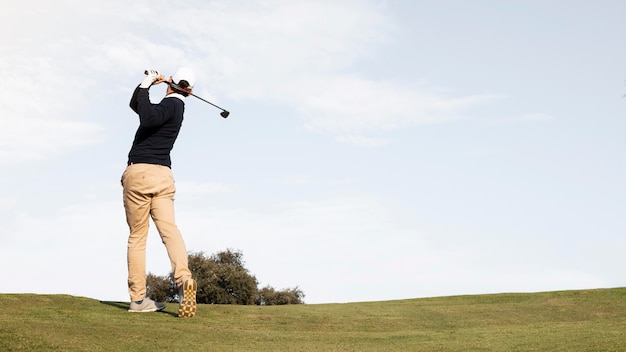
<point>159,125</point>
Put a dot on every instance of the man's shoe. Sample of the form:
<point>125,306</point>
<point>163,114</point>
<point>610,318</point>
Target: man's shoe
<point>187,298</point>
<point>147,305</point>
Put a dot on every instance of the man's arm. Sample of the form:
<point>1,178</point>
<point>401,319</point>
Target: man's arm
<point>150,115</point>
<point>133,101</point>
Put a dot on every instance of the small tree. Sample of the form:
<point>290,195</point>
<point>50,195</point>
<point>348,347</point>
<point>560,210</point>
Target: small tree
<point>160,288</point>
<point>268,296</point>
<point>222,278</point>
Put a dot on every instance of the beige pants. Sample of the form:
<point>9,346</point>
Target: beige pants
<point>149,192</point>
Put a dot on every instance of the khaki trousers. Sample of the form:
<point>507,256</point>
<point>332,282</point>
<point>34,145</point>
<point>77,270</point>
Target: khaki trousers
<point>149,192</point>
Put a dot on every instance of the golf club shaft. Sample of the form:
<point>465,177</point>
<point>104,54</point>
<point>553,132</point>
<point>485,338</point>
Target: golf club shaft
<point>174,85</point>
<point>204,100</point>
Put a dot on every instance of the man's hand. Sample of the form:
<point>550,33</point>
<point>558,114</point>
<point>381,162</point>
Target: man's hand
<point>152,77</point>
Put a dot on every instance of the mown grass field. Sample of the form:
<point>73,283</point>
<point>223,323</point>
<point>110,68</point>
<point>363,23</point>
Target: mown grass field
<point>589,320</point>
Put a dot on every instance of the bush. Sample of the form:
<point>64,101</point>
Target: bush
<point>161,288</point>
<point>222,279</point>
<point>268,296</point>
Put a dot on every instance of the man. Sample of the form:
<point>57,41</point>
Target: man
<point>149,190</point>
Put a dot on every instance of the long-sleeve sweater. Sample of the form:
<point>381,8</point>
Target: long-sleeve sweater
<point>159,125</point>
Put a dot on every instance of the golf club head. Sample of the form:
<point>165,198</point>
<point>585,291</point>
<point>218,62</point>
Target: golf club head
<point>225,114</point>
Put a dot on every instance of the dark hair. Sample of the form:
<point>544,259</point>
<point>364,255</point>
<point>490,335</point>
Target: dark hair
<point>184,85</point>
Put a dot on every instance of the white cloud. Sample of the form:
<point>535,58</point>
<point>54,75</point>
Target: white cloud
<point>28,139</point>
<point>45,96</point>
<point>58,66</point>
<point>294,53</point>
<point>193,190</point>
<point>301,53</point>
<point>305,180</point>
<point>537,117</point>
<point>361,141</point>
<point>274,41</point>
<point>350,104</point>
<point>40,113</point>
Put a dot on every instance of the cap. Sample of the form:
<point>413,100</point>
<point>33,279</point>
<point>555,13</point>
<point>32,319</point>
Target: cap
<point>185,74</point>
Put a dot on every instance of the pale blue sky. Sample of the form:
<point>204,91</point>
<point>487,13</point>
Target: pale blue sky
<point>375,150</point>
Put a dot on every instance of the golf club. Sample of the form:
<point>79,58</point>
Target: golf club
<point>174,86</point>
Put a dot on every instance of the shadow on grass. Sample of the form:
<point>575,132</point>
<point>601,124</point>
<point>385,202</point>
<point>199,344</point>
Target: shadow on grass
<point>125,306</point>
<point>120,305</point>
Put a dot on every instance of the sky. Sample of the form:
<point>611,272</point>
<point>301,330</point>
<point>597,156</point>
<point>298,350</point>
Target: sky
<point>375,150</point>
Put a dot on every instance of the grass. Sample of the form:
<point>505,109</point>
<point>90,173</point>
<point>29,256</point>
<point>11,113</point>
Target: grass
<point>588,320</point>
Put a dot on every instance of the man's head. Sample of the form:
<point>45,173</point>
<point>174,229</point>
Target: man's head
<point>183,78</point>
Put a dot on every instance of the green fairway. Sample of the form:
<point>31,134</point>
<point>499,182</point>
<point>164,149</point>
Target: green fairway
<point>589,320</point>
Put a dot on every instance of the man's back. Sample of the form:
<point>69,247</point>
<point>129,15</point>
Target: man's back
<point>158,129</point>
